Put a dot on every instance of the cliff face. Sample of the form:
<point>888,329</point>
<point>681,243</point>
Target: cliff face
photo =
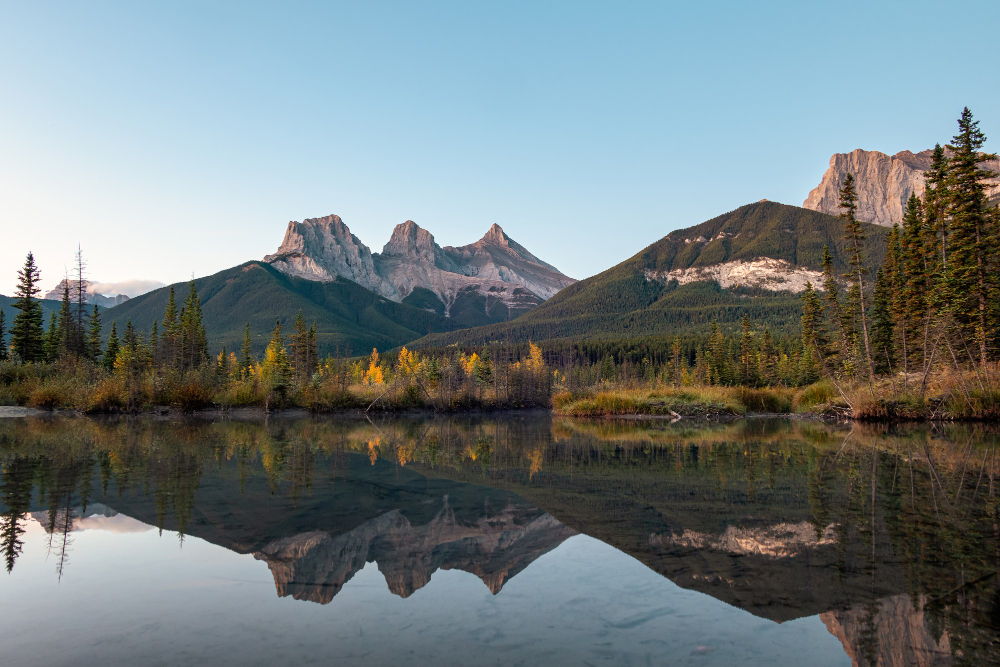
<point>884,183</point>
<point>322,249</point>
<point>891,632</point>
<point>495,276</point>
<point>315,566</point>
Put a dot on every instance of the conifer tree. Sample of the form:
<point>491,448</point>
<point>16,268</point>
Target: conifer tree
<point>882,326</point>
<point>70,335</point>
<point>193,341</point>
<point>27,338</point>
<point>748,354</point>
<point>935,205</point>
<point>94,336</point>
<point>840,324</point>
<point>972,242</point>
<point>114,347</point>
<point>3,337</point>
<point>854,235</point>
<point>246,354</point>
<point>299,344</point>
<point>169,344</point>
<point>130,340</point>
<point>916,262</point>
<point>814,340</point>
<point>53,339</point>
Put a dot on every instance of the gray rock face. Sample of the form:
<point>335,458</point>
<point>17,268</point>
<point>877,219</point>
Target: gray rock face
<point>322,249</point>
<point>315,566</point>
<point>884,183</point>
<point>493,270</point>
<point>92,297</point>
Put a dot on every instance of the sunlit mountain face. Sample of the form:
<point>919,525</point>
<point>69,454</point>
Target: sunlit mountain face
<point>881,543</point>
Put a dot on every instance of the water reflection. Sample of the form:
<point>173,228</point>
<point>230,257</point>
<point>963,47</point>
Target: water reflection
<point>889,535</point>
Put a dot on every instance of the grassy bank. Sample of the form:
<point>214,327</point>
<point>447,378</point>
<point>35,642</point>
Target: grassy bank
<point>679,401</point>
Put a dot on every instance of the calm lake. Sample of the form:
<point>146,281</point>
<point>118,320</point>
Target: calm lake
<point>515,540</point>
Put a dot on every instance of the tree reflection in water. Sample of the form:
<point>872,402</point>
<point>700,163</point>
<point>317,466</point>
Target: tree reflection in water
<point>889,533</point>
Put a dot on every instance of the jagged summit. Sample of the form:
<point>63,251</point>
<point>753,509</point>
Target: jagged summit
<point>495,235</point>
<point>493,279</point>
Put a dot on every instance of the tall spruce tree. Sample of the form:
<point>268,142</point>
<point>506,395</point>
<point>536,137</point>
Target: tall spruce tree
<point>935,209</point>
<point>855,237</point>
<point>972,241</point>
<point>94,336</point>
<point>883,331</point>
<point>918,259</point>
<point>4,353</point>
<point>194,343</point>
<point>114,347</point>
<point>167,349</point>
<point>27,337</point>
<point>53,339</point>
<point>246,354</point>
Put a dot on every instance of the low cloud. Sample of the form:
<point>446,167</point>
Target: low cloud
<point>128,287</point>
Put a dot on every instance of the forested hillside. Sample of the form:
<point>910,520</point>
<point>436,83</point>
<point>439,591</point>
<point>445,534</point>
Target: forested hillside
<point>636,298</point>
<point>348,317</point>
<point>10,312</point>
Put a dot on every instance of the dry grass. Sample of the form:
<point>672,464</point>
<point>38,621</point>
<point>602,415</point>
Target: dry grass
<point>686,401</point>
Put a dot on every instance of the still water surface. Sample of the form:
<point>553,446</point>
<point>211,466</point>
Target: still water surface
<point>497,541</point>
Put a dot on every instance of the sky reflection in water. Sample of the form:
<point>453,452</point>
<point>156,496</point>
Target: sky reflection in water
<point>512,541</point>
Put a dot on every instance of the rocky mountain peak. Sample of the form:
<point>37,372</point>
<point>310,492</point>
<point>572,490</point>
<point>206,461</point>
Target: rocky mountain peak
<point>496,236</point>
<point>884,183</point>
<point>495,276</point>
<point>324,248</point>
<point>91,296</point>
<point>410,240</point>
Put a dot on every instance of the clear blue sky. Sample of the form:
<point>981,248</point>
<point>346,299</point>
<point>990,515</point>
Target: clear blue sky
<point>178,138</point>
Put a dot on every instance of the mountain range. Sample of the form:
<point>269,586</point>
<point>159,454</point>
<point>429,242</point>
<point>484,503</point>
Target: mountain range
<point>755,260</point>
<point>491,280</point>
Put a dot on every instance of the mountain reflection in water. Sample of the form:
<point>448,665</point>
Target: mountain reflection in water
<point>889,535</point>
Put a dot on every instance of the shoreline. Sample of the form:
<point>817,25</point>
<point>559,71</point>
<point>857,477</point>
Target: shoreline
<point>256,413</point>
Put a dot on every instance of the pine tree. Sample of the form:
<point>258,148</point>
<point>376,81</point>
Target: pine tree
<point>193,342</point>
<point>3,337</point>
<point>914,268</point>
<point>814,339</point>
<point>882,326</point>
<point>299,344</point>
<point>168,347</point>
<point>935,205</point>
<point>972,243</point>
<point>854,235</point>
<point>26,334</point>
<point>53,339</point>
<point>839,323</point>
<point>70,338</point>
<point>114,347</point>
<point>748,354</point>
<point>246,354</point>
<point>94,336</point>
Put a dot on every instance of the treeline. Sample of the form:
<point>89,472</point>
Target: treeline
<point>171,365</point>
<point>935,303</point>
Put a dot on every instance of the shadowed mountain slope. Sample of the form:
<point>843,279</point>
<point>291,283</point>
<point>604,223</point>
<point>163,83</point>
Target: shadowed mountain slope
<point>349,318</point>
<point>753,260</point>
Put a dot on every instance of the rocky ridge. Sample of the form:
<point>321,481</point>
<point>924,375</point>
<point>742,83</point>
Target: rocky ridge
<point>93,298</point>
<point>314,566</point>
<point>884,183</point>
<point>495,275</point>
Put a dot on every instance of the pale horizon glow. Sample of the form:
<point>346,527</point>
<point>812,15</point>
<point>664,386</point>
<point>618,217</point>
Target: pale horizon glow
<point>178,139</point>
